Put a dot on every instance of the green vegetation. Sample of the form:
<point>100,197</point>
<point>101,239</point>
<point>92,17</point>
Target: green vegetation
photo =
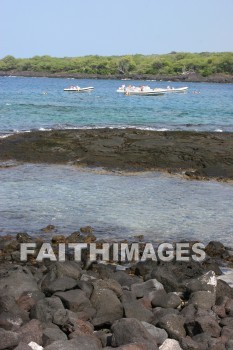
<point>174,63</point>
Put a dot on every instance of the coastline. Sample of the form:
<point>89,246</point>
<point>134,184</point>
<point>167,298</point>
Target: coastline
<point>190,77</point>
<point>196,155</point>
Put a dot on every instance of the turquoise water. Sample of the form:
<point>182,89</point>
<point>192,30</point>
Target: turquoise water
<point>41,103</point>
<point>159,206</point>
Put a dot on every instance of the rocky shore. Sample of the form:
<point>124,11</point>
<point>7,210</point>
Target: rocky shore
<point>189,77</point>
<point>196,155</point>
<point>79,306</point>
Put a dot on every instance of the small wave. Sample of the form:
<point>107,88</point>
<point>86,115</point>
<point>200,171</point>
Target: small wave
<point>5,136</point>
<point>8,104</point>
<point>218,130</point>
<point>44,129</point>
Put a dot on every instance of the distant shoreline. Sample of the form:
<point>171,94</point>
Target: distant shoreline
<point>192,77</point>
<point>196,155</point>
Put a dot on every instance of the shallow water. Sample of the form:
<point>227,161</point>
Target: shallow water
<point>160,206</point>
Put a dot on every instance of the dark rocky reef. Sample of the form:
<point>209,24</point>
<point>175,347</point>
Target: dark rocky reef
<point>195,154</point>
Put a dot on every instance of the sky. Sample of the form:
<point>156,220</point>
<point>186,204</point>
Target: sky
<point>107,27</point>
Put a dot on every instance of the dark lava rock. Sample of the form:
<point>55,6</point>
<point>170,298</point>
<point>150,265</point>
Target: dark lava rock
<point>202,299</point>
<point>173,325</point>
<point>125,279</point>
<point>76,301</point>
<point>45,309</point>
<point>61,284</point>
<point>134,309</point>
<point>165,300</point>
<point>144,288</point>
<point>17,280</point>
<point>223,289</point>
<point>108,306</point>
<point>188,343</point>
<point>52,334</point>
<point>31,331</point>
<point>215,249</point>
<point>86,342</point>
<point>160,312</point>
<point>158,333</point>
<point>8,339</point>
<point>130,330</point>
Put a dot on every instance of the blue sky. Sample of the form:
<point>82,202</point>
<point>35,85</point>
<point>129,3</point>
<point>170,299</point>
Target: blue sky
<point>106,27</point>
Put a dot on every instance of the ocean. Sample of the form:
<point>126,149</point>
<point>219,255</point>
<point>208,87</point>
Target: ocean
<point>116,205</point>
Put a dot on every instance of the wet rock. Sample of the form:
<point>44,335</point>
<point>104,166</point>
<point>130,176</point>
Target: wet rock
<point>173,325</point>
<point>170,344</point>
<point>45,309</point>
<point>158,333</point>
<point>76,301</point>
<point>107,305</point>
<point>134,309</point>
<point>202,299</point>
<point>48,228</point>
<point>215,249</point>
<point>142,289</point>
<point>8,339</point>
<point>130,330</point>
<point>23,238</point>
<point>58,239</point>
<point>86,229</point>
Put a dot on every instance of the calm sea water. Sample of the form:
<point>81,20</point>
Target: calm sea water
<point>159,206</point>
<point>41,103</point>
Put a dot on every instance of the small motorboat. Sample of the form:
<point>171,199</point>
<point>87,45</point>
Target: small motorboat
<point>79,89</point>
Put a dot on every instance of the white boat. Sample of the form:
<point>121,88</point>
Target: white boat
<point>145,93</point>
<point>79,89</point>
<point>172,89</point>
<point>146,90</point>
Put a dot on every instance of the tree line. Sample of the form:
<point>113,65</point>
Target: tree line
<point>174,63</point>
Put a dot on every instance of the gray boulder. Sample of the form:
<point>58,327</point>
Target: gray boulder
<point>158,333</point>
<point>76,301</point>
<point>45,309</point>
<point>108,306</point>
<point>142,289</point>
<point>16,281</point>
<point>133,308</point>
<point>173,325</point>
<point>8,339</point>
<point>130,330</point>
